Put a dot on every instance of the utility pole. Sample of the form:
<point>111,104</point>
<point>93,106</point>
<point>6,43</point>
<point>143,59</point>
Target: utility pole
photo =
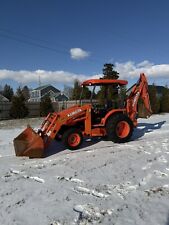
<point>39,96</point>
<point>39,81</point>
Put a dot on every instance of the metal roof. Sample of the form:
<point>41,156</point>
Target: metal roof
<point>41,87</point>
<point>45,86</point>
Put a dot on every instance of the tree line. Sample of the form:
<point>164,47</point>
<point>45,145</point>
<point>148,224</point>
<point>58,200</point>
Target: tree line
<point>19,98</point>
<point>159,101</point>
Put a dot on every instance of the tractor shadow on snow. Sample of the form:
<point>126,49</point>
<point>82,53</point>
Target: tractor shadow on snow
<point>143,128</point>
<point>57,146</point>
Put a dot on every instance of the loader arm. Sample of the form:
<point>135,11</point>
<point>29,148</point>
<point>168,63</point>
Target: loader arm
<point>139,90</point>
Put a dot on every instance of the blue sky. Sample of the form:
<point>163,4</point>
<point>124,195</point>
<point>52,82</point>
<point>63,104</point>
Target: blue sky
<point>59,41</point>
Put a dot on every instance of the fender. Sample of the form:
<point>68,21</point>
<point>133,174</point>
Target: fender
<point>110,113</point>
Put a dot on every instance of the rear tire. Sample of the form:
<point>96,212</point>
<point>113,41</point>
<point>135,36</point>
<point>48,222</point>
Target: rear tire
<point>72,138</point>
<point>119,128</point>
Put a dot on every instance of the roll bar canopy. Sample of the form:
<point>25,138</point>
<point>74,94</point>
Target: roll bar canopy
<point>99,82</point>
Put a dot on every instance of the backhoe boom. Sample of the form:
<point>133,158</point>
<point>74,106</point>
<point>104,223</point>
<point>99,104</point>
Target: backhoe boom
<point>139,90</point>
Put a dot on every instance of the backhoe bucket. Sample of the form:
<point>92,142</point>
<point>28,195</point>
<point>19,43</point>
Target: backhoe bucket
<point>29,143</point>
<point>143,112</point>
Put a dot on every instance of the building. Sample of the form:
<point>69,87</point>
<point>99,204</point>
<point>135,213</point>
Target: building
<point>3,99</point>
<point>37,94</point>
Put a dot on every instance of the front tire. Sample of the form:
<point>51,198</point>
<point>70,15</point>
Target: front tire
<point>72,138</point>
<point>119,128</point>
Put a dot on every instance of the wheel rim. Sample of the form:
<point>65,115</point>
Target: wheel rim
<point>74,140</point>
<point>122,129</point>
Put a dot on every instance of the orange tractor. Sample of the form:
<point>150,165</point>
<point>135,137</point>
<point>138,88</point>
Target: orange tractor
<point>90,120</point>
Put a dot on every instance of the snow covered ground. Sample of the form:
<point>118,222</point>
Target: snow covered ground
<point>102,183</point>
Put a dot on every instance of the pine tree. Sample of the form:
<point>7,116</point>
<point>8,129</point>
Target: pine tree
<point>110,93</point>
<point>18,108</point>
<point>46,106</point>
<point>122,95</point>
<point>76,90</point>
<point>154,100</point>
<point>86,94</point>
<point>68,91</point>
<point>109,72</point>
<point>8,92</point>
<point>164,101</point>
<point>1,90</point>
<point>25,92</point>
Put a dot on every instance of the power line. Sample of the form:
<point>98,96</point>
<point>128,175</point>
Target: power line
<point>13,36</point>
<point>28,36</point>
<point>33,44</point>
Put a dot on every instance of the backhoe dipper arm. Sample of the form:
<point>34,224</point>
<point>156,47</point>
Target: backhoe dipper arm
<point>139,90</point>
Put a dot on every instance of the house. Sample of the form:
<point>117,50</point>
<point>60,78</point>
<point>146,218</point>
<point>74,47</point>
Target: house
<point>61,97</point>
<point>3,99</point>
<point>56,96</point>
<point>37,94</point>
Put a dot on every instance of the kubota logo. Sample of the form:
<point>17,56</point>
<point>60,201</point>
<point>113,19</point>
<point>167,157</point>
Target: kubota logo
<point>74,112</point>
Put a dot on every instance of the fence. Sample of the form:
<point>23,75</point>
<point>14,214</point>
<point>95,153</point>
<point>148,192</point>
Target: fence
<point>34,107</point>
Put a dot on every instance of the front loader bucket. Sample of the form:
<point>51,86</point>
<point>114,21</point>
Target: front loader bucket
<point>29,143</point>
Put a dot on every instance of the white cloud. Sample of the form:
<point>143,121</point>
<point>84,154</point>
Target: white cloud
<point>24,76</point>
<point>132,70</point>
<point>78,53</point>
<point>145,64</point>
<point>127,70</point>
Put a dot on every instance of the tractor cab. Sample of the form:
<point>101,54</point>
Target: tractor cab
<point>104,95</point>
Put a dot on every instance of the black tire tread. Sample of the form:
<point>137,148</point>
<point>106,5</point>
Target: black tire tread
<point>66,135</point>
<point>111,128</point>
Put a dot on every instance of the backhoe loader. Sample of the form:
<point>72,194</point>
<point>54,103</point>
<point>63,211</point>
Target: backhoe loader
<point>90,120</point>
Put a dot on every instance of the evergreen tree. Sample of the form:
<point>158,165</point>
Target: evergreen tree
<point>109,72</point>
<point>76,90</point>
<point>122,95</point>
<point>68,91</point>
<point>25,92</point>
<point>18,108</point>
<point>1,90</point>
<point>154,100</point>
<point>8,92</point>
<point>122,92</point>
<point>86,93</point>
<point>164,101</point>
<point>109,93</point>
<point>46,106</point>
<point>19,93</point>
